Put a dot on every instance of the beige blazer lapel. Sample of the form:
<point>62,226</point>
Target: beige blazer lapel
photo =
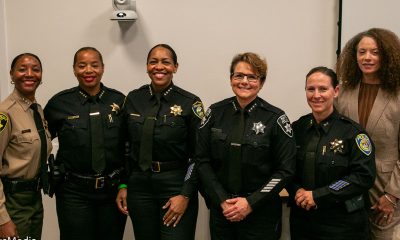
<point>381,101</point>
<point>353,104</point>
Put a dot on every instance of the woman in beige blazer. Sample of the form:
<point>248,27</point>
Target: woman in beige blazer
<point>369,70</point>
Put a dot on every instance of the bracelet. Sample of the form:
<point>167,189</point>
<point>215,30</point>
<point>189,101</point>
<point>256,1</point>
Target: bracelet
<point>390,200</point>
<point>123,185</point>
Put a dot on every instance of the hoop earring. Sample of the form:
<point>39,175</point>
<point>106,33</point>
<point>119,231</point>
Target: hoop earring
<point>12,82</point>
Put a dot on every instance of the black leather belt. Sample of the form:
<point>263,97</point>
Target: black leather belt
<point>13,185</point>
<point>166,166</point>
<point>94,181</point>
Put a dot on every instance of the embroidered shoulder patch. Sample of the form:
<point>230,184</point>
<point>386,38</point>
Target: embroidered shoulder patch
<point>198,109</point>
<point>206,118</point>
<point>338,185</point>
<point>3,121</point>
<point>364,144</point>
<point>284,123</point>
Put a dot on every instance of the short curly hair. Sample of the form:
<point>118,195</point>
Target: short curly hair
<point>258,64</point>
<point>389,72</point>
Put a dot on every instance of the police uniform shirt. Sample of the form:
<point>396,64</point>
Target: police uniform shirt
<point>68,117</point>
<point>268,150</point>
<point>175,128</point>
<point>19,143</point>
<point>344,159</point>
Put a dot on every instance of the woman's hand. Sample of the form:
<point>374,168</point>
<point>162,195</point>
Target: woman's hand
<point>176,208</point>
<point>304,199</point>
<point>384,210</point>
<point>8,229</point>
<point>121,201</point>
<point>238,210</point>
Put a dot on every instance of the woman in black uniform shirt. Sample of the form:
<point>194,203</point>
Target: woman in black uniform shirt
<point>161,194</point>
<point>335,168</point>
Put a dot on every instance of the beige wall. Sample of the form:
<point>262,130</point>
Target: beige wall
<point>293,35</point>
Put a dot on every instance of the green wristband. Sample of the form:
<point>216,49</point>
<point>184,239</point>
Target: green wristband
<point>123,185</point>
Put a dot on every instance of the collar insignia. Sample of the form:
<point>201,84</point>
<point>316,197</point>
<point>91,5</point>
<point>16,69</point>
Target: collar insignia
<point>337,146</point>
<point>258,127</point>
<point>115,108</point>
<point>176,110</point>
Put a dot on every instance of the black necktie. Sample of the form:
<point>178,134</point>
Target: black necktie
<point>309,161</point>
<point>146,141</point>
<point>235,153</point>
<point>43,147</point>
<point>97,136</point>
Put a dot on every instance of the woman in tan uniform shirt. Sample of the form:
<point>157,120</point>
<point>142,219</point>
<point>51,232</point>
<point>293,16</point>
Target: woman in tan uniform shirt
<point>23,148</point>
<point>369,69</point>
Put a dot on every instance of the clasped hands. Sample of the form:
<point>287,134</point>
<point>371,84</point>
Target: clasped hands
<point>236,209</point>
<point>304,199</point>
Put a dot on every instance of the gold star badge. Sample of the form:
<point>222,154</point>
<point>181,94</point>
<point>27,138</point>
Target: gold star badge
<point>115,107</point>
<point>176,110</point>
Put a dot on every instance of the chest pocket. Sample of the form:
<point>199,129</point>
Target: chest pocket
<point>337,164</point>
<point>135,126</point>
<point>25,143</point>
<point>219,144</point>
<point>259,150</point>
<point>73,131</point>
<point>171,128</point>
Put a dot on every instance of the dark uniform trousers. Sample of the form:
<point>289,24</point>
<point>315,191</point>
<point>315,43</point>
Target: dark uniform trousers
<point>145,201</point>
<point>86,213</point>
<point>328,224</point>
<point>26,207</point>
<point>263,223</point>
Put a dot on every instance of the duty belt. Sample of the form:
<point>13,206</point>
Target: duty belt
<point>165,166</point>
<point>14,185</point>
<point>95,181</point>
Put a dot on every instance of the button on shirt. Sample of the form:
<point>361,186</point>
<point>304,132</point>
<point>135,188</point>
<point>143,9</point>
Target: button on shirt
<point>19,142</point>
<point>344,159</point>
<point>175,128</point>
<point>268,150</point>
<point>68,116</point>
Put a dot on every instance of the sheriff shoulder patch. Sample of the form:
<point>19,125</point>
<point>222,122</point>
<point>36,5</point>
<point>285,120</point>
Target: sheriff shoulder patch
<point>3,121</point>
<point>206,118</point>
<point>198,109</point>
<point>284,123</point>
<point>364,144</point>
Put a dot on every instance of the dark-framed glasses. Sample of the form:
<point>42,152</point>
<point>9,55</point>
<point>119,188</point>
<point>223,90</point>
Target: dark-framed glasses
<point>252,78</point>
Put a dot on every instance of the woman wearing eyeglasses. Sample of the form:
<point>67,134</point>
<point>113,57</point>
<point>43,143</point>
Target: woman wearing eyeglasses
<point>245,156</point>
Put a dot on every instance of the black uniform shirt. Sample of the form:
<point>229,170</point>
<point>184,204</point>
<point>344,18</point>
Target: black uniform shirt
<point>268,150</point>
<point>68,117</point>
<point>344,159</point>
<point>175,128</point>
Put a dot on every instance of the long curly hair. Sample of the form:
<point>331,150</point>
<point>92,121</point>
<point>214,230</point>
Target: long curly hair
<point>389,49</point>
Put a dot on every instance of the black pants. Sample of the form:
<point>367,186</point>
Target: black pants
<point>264,223</point>
<point>147,193</point>
<point>88,214</point>
<point>328,224</point>
<point>26,211</point>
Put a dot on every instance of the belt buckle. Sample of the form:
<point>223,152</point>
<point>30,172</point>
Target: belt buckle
<point>155,167</point>
<point>99,182</point>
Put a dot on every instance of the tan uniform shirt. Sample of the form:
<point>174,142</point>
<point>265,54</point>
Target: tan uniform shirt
<point>19,143</point>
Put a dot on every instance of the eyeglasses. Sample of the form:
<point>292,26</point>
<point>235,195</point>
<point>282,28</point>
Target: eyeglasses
<point>251,78</point>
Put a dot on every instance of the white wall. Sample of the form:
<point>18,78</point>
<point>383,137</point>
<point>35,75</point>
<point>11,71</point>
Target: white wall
<point>360,15</point>
<point>4,83</point>
<point>293,35</point>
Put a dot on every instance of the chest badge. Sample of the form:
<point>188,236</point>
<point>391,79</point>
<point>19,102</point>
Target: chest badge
<point>114,108</point>
<point>337,146</point>
<point>176,110</point>
<point>258,127</point>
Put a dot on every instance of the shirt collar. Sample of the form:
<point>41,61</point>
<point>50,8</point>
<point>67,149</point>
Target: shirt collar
<point>84,96</point>
<point>326,124</point>
<point>21,100</point>
<point>164,94</point>
<point>249,108</point>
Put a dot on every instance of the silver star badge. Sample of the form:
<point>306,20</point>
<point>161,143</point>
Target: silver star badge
<point>176,110</point>
<point>258,127</point>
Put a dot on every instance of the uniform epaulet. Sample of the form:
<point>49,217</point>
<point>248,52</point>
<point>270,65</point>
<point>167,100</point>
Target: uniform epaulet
<point>350,121</point>
<point>268,107</point>
<point>113,90</point>
<point>183,92</point>
<point>66,91</point>
<point>222,103</point>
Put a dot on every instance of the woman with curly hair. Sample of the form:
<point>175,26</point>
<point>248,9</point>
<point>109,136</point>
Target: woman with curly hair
<point>369,70</point>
